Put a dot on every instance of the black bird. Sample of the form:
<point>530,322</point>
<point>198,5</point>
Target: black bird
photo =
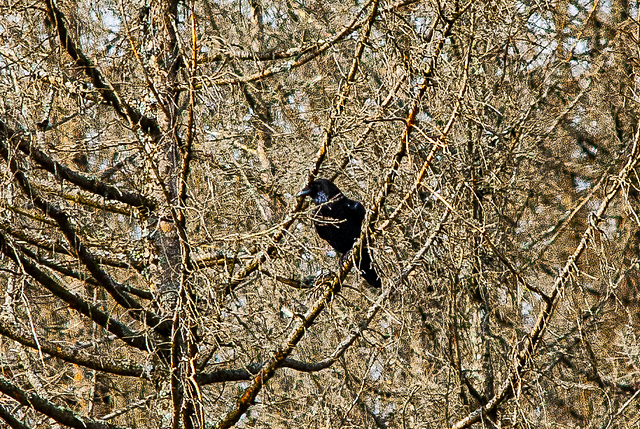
<point>338,220</point>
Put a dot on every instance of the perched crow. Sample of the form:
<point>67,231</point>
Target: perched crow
<point>338,220</point>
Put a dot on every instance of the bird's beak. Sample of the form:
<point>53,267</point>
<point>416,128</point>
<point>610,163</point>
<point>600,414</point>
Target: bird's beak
<point>306,191</point>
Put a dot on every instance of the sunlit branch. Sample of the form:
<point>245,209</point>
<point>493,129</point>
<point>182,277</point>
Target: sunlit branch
<point>76,302</point>
<point>79,249</point>
<point>62,172</point>
<point>511,385</point>
<point>71,355</point>
<point>59,414</point>
<point>100,82</point>
<point>313,52</point>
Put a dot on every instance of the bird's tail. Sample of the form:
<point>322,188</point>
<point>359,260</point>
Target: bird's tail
<point>365,266</point>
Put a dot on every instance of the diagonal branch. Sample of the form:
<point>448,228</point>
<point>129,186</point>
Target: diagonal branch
<point>320,157</point>
<point>62,172</point>
<point>435,146</point>
<point>268,371</point>
<point>224,375</point>
<point>410,121</point>
<point>66,271</point>
<point>59,414</point>
<point>88,260</point>
<point>11,419</point>
<point>298,51</point>
<point>512,383</point>
<point>100,82</point>
<point>313,51</point>
<point>76,302</point>
<point>248,396</point>
<point>103,363</point>
<point>250,393</point>
<point>280,357</point>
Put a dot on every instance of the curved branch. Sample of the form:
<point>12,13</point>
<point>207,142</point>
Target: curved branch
<point>62,172</point>
<point>59,414</point>
<point>250,393</point>
<point>74,301</point>
<point>88,260</point>
<point>312,51</point>
<point>513,381</point>
<point>71,355</point>
<point>100,82</point>
<point>320,157</point>
<point>223,375</point>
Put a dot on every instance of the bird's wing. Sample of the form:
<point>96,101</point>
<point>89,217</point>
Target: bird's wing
<point>357,208</point>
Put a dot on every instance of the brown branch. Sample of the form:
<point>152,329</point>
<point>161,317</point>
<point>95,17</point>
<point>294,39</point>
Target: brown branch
<point>320,157</point>
<point>291,52</point>
<point>313,51</point>
<point>29,215</point>
<point>435,146</point>
<point>292,282</point>
<point>403,145</point>
<point>37,241</point>
<point>80,196</point>
<point>62,172</point>
<point>93,312</point>
<point>71,355</point>
<point>64,270</point>
<point>268,370</point>
<point>247,398</point>
<point>106,257</point>
<point>100,82</point>
<point>81,252</point>
<point>59,414</point>
<point>250,370</point>
<point>512,383</point>
<point>280,357</point>
<point>11,420</point>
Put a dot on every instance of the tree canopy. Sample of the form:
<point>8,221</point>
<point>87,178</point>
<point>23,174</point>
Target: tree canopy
<point>157,269</point>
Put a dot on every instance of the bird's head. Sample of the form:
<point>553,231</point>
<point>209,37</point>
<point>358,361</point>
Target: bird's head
<point>320,191</point>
